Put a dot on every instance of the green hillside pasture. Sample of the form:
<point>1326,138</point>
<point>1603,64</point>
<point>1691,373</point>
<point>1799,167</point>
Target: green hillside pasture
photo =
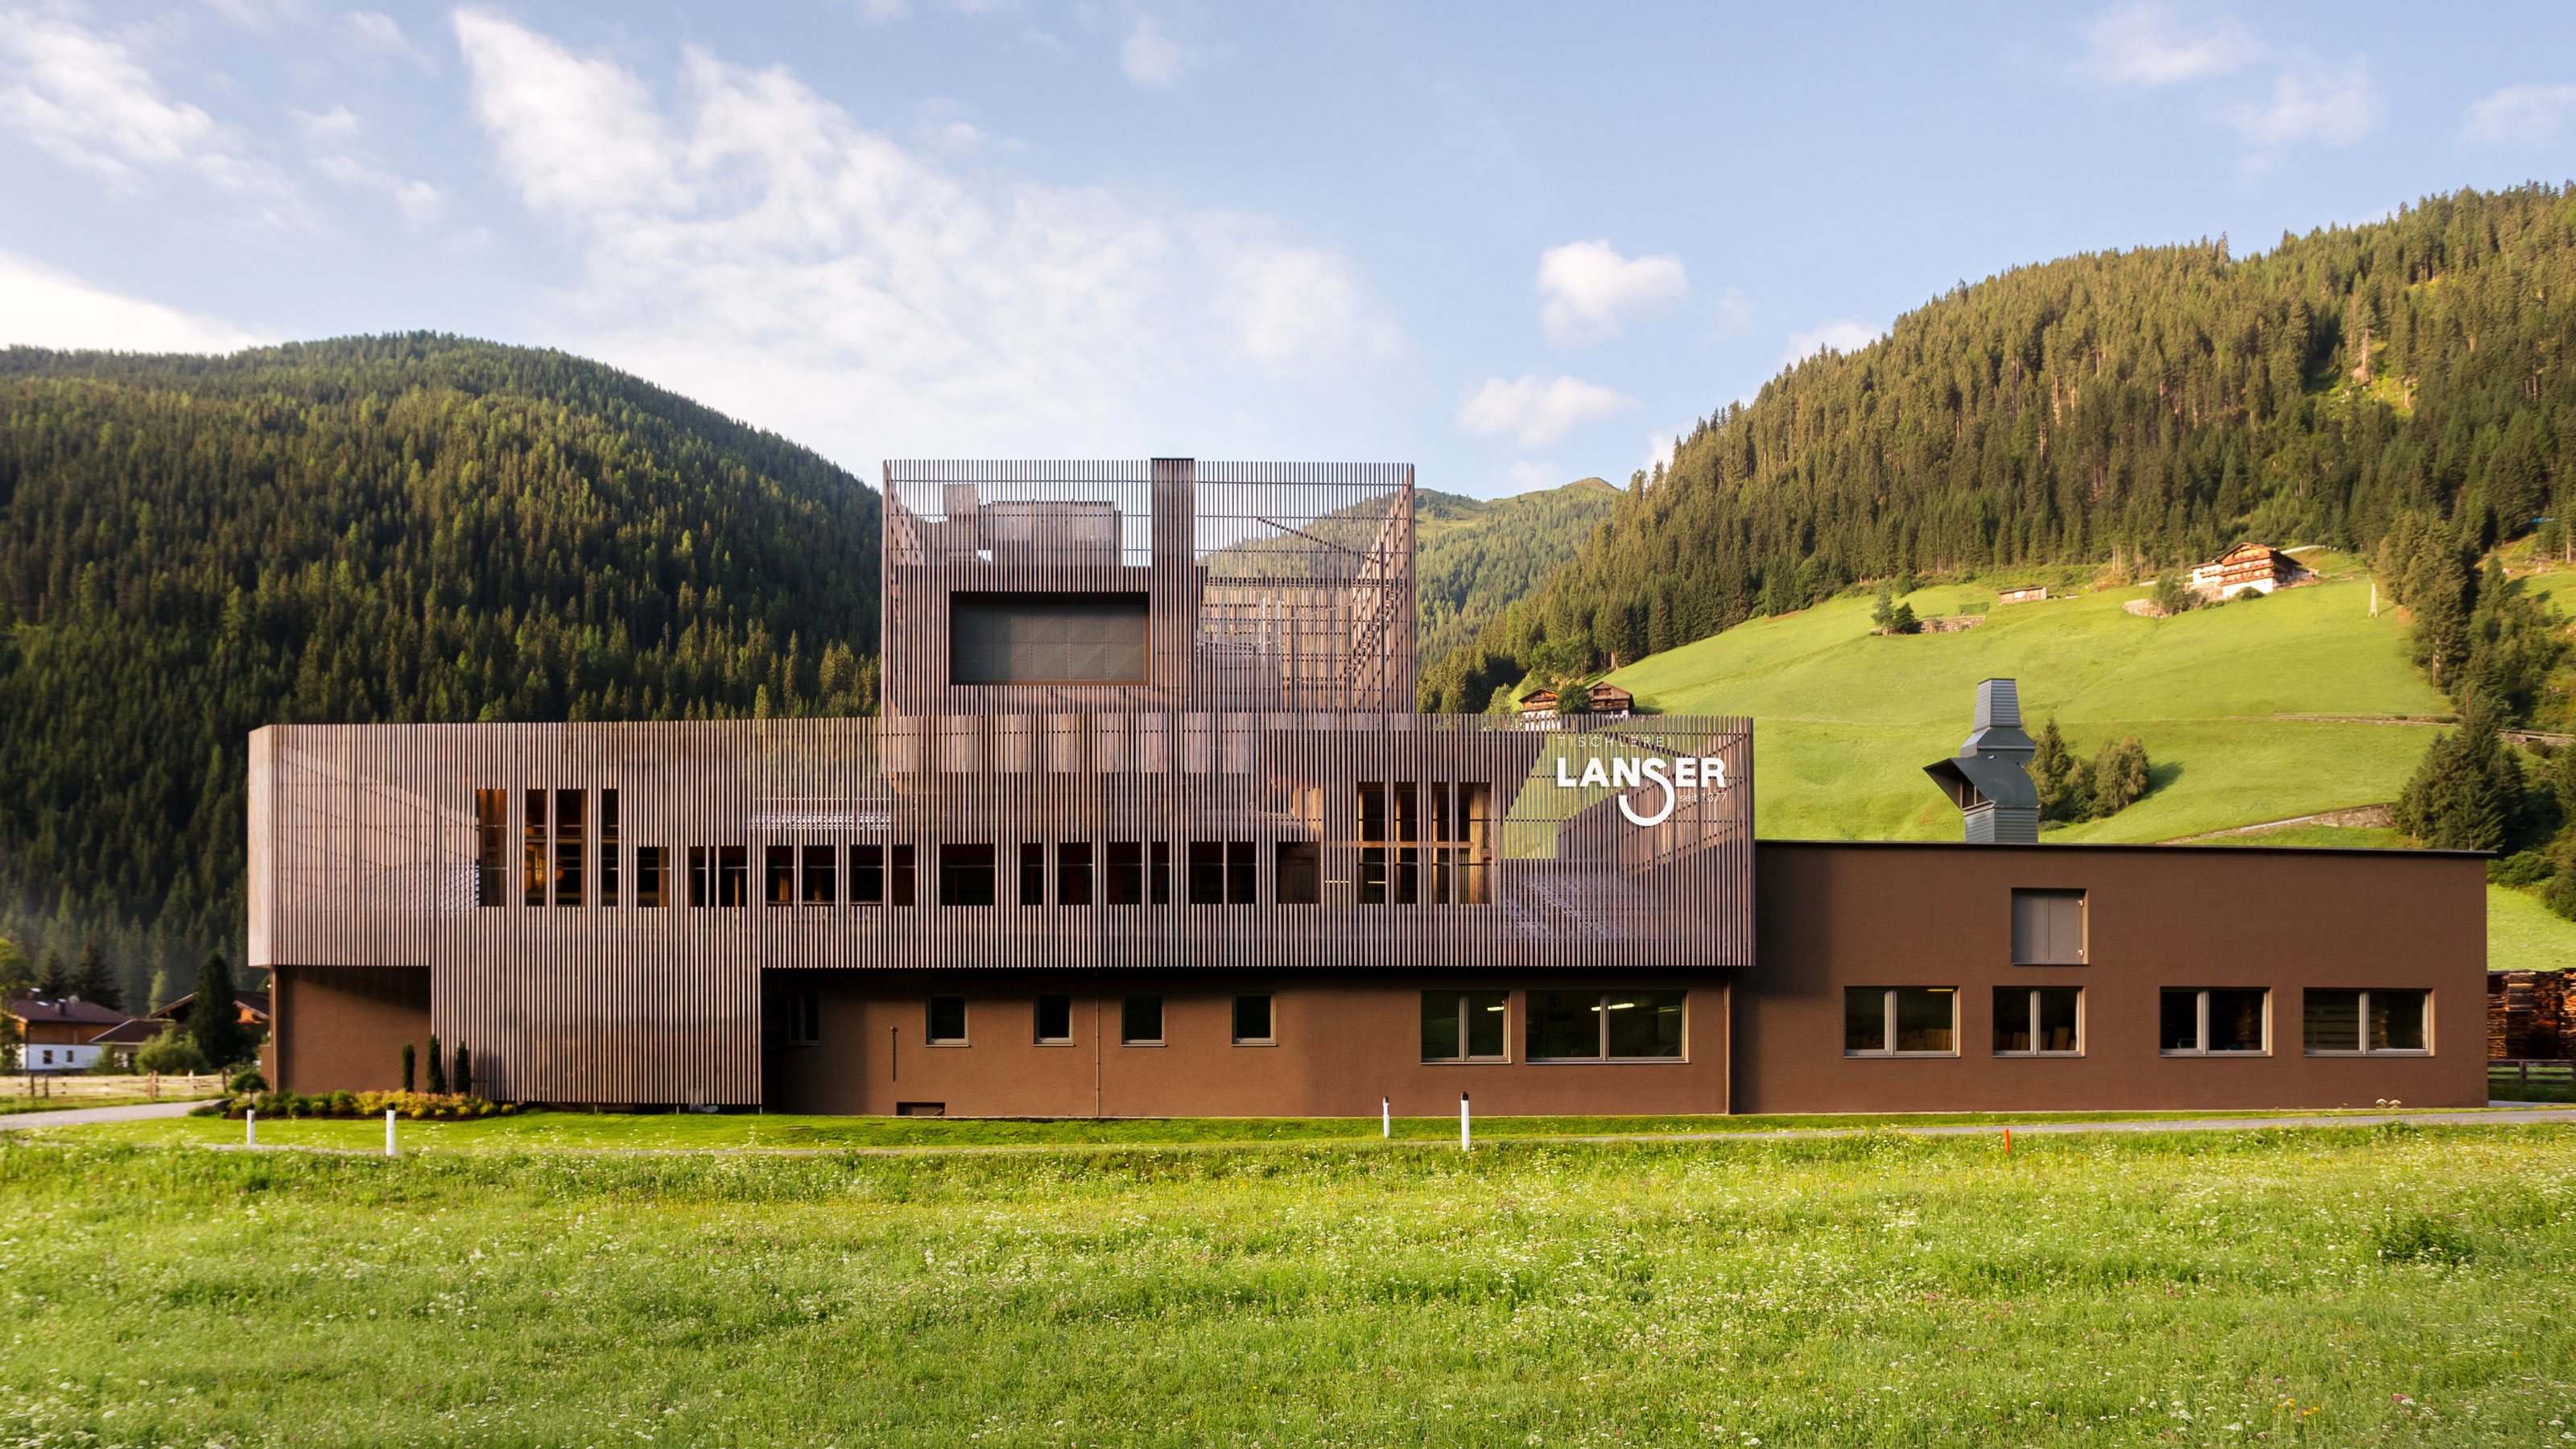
<point>2347,1287</point>
<point>2525,935</point>
<point>1845,721</point>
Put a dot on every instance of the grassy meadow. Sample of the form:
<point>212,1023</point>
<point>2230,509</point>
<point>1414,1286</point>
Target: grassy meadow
<point>2330,1287</point>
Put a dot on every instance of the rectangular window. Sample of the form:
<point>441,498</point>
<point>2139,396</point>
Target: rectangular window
<point>1301,873</point>
<point>570,807</point>
<point>1475,848</point>
<point>1032,873</point>
<point>1372,822</point>
<point>608,847</point>
<point>822,887</point>
<point>1126,872</point>
<point>1468,1026</point>
<point>2040,1021</point>
<point>867,875</point>
<point>2396,1023</point>
<point>1252,1020</point>
<point>733,876</point>
<point>1073,873</point>
<point>966,875</point>
<point>1436,882</point>
<point>998,638</point>
<point>1207,872</point>
<point>648,877</point>
<point>702,876</point>
<point>2048,928</point>
<point>1900,1021</point>
<point>1162,874</point>
<point>903,887</point>
<point>1406,887</point>
<point>1239,875</point>
<point>2198,1022</point>
<point>1140,1021</point>
<point>1567,1026</point>
<point>534,858</point>
<point>947,1021</point>
<point>780,876</point>
<point>1055,1019</point>
<point>491,846</point>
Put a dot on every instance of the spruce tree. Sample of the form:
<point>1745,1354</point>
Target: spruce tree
<point>437,1073</point>
<point>17,974</point>
<point>406,1066</point>
<point>2466,792</point>
<point>95,981</point>
<point>54,982</point>
<point>464,1071</point>
<point>2062,784</point>
<point>2120,777</point>
<point>214,1016</point>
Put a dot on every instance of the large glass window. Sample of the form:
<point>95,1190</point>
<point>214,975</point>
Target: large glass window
<point>1055,1020</point>
<point>570,807</point>
<point>491,846</point>
<point>1605,1025</point>
<point>2396,1023</point>
<point>946,1024</point>
<point>966,875</point>
<point>2039,1021</point>
<point>1900,1021</point>
<point>1466,1026</point>
<point>1140,1021</point>
<point>2214,1021</point>
<point>2048,928</point>
<point>1252,1025</point>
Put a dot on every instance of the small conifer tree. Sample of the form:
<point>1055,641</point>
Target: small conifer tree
<point>437,1073</point>
<point>214,1016</point>
<point>406,1067</point>
<point>464,1071</point>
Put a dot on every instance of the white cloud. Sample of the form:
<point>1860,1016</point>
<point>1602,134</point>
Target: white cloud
<point>2524,115</point>
<point>1733,313</point>
<point>2336,107</point>
<point>42,307</point>
<point>331,143</point>
<point>754,245</point>
<point>1840,335</point>
<point>1535,412</point>
<point>1589,287</point>
<point>1530,473</point>
<point>1659,451</point>
<point>2143,45</point>
<point>1159,61</point>
<point>82,95</point>
<point>371,30</point>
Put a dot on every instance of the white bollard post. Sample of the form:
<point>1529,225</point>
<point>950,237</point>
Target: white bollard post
<point>250,1127</point>
<point>1462,1123</point>
<point>389,1132</point>
<point>1385,1117</point>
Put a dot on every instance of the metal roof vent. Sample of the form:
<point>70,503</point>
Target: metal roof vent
<point>1989,779</point>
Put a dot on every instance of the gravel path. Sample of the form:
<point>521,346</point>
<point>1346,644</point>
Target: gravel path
<point>75,1116</point>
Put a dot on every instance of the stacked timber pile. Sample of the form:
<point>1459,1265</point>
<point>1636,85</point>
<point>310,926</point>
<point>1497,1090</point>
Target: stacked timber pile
<point>2528,1016</point>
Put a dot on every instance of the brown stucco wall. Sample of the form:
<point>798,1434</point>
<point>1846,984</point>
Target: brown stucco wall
<point>1343,1041</point>
<point>1838,915</point>
<point>342,1028</point>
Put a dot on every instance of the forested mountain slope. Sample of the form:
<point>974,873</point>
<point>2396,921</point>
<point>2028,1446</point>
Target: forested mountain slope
<point>1475,556</point>
<point>373,529</point>
<point>2129,408</point>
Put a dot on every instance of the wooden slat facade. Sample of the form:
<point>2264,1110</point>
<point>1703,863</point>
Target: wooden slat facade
<point>1435,841</point>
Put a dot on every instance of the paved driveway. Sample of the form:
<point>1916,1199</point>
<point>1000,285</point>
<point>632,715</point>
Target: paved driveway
<point>75,1116</point>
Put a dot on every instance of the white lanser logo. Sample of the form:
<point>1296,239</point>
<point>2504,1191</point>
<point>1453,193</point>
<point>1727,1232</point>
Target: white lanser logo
<point>1688,772</point>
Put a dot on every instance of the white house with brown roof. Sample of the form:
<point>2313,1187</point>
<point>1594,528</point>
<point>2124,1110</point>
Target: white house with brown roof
<point>2258,567</point>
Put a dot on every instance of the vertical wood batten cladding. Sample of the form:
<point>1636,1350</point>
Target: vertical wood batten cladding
<point>363,854</point>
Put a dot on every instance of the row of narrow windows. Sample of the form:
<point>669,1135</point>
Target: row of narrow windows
<point>1402,858</point>
<point>2192,1021</point>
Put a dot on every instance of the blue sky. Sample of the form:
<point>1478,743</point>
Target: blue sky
<point>1514,245</point>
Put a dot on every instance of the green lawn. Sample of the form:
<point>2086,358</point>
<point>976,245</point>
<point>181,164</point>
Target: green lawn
<point>1844,722</point>
<point>2334,1287</point>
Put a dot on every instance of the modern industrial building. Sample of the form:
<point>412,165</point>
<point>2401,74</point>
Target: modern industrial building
<point>1149,827</point>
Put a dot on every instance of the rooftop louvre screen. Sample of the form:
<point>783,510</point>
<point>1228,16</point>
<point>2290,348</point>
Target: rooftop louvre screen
<point>1048,639</point>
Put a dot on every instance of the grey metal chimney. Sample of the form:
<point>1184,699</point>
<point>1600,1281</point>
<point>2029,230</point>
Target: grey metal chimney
<point>1989,779</point>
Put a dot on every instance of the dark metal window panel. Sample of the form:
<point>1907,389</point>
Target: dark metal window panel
<point>649,869</point>
<point>1252,1023</point>
<point>820,884</point>
<point>1207,873</point>
<point>570,808</point>
<point>491,847</point>
<point>2048,928</point>
<point>608,845</point>
<point>1126,872</point>
<point>867,875</point>
<point>1242,884</point>
<point>1050,638</point>
<point>702,875</point>
<point>1054,1019</point>
<point>904,889</point>
<point>945,1023</point>
<point>1161,852</point>
<point>1300,874</point>
<point>966,874</point>
<point>779,876</point>
<point>1140,1020</point>
<point>1073,873</point>
<point>1032,873</point>
<point>733,876</point>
